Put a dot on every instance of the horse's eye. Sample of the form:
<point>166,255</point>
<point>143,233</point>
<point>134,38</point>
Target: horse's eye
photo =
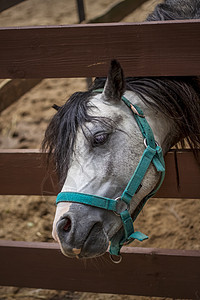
<point>100,139</point>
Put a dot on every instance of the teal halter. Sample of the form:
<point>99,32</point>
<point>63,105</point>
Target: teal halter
<point>152,154</point>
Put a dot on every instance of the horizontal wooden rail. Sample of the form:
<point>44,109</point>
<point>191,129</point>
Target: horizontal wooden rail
<point>144,49</point>
<point>143,271</point>
<point>23,172</point>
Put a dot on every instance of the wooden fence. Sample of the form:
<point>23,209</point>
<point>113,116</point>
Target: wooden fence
<point>147,49</point>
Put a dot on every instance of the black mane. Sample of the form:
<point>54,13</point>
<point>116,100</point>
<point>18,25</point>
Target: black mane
<point>61,132</point>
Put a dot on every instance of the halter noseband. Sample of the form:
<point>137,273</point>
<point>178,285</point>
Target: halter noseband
<point>152,154</point>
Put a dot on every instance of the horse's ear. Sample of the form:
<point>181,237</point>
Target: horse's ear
<point>115,83</point>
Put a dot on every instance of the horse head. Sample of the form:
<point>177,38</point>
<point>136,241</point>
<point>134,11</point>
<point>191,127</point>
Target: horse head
<point>97,145</point>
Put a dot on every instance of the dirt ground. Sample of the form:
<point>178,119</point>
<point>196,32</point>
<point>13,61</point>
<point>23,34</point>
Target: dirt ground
<point>169,223</point>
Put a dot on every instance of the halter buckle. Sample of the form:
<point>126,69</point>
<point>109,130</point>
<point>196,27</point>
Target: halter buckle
<point>134,110</point>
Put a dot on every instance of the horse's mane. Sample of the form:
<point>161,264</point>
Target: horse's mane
<point>176,97</point>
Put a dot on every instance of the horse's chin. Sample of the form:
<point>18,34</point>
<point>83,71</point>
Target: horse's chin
<point>87,251</point>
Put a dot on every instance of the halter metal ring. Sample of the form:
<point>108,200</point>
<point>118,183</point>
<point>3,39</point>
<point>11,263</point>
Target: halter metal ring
<point>145,143</point>
<point>118,199</point>
<point>116,213</point>
<point>114,260</point>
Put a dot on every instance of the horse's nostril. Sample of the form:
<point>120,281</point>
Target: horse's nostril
<point>67,225</point>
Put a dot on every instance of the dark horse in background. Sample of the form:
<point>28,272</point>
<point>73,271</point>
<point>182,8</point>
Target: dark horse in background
<point>97,144</point>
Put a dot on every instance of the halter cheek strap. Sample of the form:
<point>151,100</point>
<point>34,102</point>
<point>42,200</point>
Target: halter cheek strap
<point>152,154</point>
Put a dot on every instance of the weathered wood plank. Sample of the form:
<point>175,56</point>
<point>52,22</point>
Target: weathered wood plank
<point>31,179</point>
<point>143,271</point>
<point>23,172</point>
<point>188,173</point>
<point>5,4</point>
<point>144,49</point>
<point>12,90</point>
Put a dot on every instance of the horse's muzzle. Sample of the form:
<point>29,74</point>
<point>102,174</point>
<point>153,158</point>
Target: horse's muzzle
<point>81,237</point>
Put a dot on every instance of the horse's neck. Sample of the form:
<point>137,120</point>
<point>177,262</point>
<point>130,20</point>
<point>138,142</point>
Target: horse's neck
<point>163,128</point>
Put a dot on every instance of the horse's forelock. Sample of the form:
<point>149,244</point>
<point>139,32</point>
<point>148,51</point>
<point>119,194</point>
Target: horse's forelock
<point>61,132</point>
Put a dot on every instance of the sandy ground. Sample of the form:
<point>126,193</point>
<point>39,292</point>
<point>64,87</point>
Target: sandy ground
<point>169,223</point>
